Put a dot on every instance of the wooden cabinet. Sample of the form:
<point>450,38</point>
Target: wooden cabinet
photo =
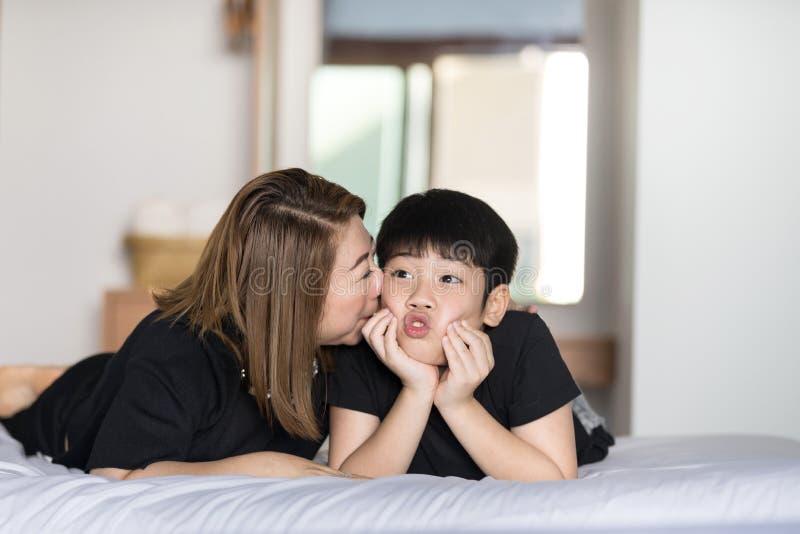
<point>122,311</point>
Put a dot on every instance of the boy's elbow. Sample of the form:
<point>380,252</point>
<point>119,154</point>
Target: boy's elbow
<point>554,473</point>
<point>111,472</point>
<point>135,474</point>
<point>335,460</point>
<point>552,476</point>
<point>334,464</point>
<point>570,475</point>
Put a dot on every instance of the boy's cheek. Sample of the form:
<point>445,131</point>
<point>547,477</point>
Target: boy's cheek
<point>395,307</point>
<point>473,321</point>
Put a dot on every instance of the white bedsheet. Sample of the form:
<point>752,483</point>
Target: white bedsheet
<point>743,483</point>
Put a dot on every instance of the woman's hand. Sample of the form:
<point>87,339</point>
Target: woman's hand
<point>381,334</point>
<point>257,464</point>
<point>469,361</point>
<point>281,465</point>
<point>530,308</point>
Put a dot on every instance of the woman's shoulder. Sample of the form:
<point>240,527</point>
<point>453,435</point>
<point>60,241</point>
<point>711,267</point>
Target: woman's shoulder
<point>172,342</point>
<point>155,331</point>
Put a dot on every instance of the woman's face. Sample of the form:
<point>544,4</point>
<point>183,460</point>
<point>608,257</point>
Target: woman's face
<point>354,289</point>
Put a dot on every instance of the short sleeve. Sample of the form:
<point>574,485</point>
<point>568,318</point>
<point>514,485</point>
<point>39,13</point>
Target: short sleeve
<point>541,382</point>
<point>153,417</point>
<point>354,381</point>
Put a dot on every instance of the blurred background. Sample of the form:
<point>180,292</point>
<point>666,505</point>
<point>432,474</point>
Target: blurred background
<point>645,153</point>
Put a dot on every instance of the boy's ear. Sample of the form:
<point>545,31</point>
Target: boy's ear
<point>496,305</point>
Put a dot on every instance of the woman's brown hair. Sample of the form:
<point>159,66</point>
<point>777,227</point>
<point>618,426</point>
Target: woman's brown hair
<point>261,282</point>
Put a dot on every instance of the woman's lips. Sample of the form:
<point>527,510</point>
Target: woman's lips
<point>416,325</point>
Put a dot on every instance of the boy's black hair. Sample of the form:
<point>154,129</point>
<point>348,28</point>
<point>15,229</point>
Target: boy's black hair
<point>454,225</point>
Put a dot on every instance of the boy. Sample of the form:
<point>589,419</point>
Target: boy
<point>428,391</point>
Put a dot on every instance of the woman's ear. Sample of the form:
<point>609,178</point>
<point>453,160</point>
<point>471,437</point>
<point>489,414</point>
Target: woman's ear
<point>496,305</point>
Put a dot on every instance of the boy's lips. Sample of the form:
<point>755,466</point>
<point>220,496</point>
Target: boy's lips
<point>416,325</point>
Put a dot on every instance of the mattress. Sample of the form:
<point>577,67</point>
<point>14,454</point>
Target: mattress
<point>738,483</point>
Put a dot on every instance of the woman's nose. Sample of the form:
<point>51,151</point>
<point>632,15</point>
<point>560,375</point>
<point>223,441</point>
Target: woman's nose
<point>377,277</point>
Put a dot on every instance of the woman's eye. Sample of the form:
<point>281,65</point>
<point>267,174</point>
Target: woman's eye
<point>450,279</point>
<point>367,274</point>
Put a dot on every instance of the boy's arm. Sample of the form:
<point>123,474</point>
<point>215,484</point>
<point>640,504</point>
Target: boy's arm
<point>540,450</point>
<point>360,443</point>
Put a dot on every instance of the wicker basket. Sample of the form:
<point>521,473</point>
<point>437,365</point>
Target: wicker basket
<point>163,262</point>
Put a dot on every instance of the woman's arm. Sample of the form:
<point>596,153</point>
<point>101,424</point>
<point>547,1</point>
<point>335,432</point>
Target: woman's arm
<point>540,450</point>
<point>259,464</point>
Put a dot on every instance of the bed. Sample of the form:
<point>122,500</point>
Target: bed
<point>682,484</point>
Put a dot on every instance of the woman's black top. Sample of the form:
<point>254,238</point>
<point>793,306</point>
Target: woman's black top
<point>166,395</point>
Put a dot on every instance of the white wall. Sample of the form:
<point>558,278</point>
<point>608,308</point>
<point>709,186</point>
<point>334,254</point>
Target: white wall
<point>299,52</point>
<point>626,105</point>
<point>608,33</point>
<point>716,260</point>
<point>593,315</point>
<point>103,104</point>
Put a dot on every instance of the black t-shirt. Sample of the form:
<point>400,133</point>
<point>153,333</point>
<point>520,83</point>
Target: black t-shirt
<point>170,395</point>
<point>529,380</point>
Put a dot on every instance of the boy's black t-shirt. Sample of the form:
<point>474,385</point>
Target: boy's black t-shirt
<point>529,380</point>
<point>167,394</point>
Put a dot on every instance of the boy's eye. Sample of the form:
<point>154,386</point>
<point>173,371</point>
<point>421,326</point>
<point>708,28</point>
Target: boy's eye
<point>400,273</point>
<point>450,279</point>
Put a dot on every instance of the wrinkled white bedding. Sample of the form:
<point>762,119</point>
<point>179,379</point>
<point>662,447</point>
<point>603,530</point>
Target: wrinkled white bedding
<point>742,483</point>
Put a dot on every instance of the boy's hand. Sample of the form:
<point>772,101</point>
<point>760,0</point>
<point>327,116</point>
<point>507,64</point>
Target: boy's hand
<point>381,334</point>
<point>469,361</point>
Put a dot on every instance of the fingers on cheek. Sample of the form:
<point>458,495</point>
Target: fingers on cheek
<point>487,343</point>
<point>449,350</point>
<point>472,339</point>
<point>375,340</point>
<point>455,337</point>
<point>449,346</point>
<point>381,329</point>
<point>461,346</point>
<point>371,325</point>
<point>471,342</point>
<point>391,333</point>
<point>445,345</point>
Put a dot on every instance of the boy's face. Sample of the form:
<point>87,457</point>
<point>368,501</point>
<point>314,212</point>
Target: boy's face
<point>426,294</point>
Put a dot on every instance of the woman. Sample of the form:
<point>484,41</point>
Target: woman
<point>227,376</point>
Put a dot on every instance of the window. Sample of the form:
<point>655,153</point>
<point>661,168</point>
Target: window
<point>499,116</point>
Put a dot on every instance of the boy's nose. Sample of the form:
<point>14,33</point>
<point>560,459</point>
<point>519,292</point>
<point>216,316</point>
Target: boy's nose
<point>421,298</point>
